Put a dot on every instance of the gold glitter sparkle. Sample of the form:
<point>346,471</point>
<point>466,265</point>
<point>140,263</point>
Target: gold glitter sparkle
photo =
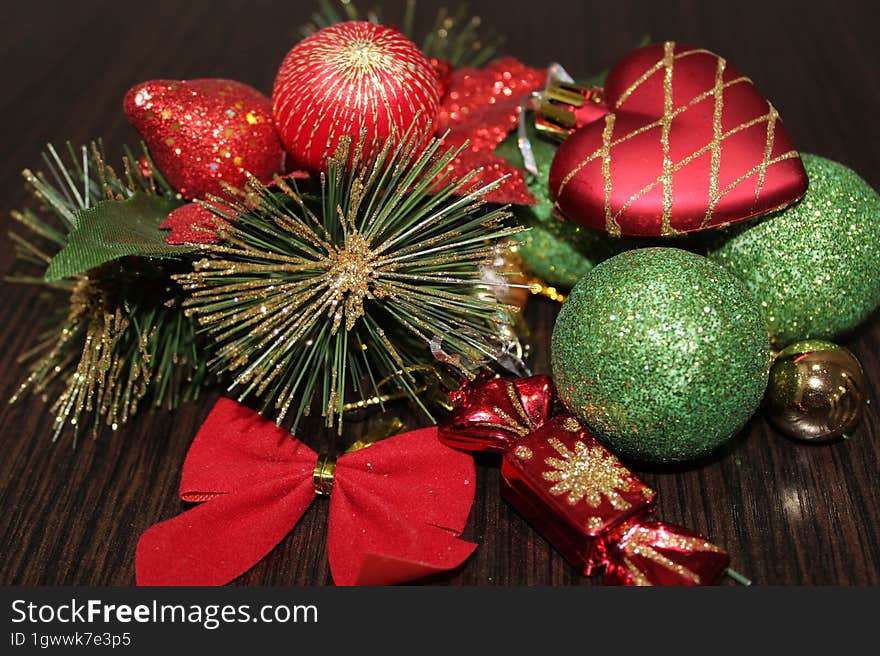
<point>588,473</point>
<point>112,351</point>
<point>571,424</point>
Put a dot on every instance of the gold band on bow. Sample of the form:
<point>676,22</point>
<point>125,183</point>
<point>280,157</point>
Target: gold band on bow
<point>322,478</point>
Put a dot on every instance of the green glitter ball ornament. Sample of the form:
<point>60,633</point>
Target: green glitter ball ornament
<point>562,254</point>
<point>662,353</point>
<point>551,249</point>
<point>815,266</point>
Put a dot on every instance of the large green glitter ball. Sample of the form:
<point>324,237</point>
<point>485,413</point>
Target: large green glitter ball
<point>662,353</point>
<point>815,266</point>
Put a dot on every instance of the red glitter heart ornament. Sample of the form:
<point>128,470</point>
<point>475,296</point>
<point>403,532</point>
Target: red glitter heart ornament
<point>350,79</point>
<point>202,132</point>
<point>689,144</point>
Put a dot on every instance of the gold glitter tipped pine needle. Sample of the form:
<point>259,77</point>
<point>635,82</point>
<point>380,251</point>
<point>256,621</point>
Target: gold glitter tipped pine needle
<point>316,298</point>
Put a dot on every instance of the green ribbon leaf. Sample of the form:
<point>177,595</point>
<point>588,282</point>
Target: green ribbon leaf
<point>542,149</point>
<point>114,229</point>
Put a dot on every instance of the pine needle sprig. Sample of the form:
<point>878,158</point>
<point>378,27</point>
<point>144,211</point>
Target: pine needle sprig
<point>118,335</point>
<point>455,36</point>
<point>325,296</point>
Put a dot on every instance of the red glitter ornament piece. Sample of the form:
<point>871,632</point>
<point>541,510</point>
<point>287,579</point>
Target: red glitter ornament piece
<point>350,79</point>
<point>202,132</point>
<point>483,106</point>
<point>192,224</point>
<point>444,75</point>
<point>688,144</point>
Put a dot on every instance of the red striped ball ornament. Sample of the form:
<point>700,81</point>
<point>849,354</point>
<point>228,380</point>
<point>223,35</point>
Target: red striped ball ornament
<point>348,78</point>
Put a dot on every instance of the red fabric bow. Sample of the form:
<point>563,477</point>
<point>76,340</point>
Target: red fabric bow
<point>396,507</point>
<point>573,490</point>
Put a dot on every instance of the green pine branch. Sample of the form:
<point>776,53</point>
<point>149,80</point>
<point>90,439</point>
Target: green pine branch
<point>455,36</point>
<point>319,298</point>
<point>118,338</point>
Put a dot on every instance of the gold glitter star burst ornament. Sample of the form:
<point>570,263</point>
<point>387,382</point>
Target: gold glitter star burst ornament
<point>341,295</point>
<point>588,473</point>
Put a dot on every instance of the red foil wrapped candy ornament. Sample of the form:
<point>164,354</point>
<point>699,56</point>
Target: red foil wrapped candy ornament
<point>352,79</point>
<point>573,490</point>
<point>204,132</point>
<point>687,144</point>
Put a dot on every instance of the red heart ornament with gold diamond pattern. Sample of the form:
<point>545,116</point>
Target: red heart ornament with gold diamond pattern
<point>688,144</point>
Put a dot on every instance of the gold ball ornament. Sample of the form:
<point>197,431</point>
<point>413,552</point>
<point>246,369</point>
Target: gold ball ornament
<point>816,391</point>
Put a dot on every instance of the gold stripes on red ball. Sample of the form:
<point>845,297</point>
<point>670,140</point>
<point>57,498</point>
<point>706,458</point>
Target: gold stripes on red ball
<point>347,79</point>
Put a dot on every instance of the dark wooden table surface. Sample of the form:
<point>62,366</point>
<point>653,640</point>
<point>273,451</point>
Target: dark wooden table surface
<point>788,513</point>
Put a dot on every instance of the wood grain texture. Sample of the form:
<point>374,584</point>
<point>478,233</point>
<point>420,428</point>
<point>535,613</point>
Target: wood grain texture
<point>788,513</point>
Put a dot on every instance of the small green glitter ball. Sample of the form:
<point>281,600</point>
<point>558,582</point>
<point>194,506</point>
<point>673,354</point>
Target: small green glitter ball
<point>814,266</point>
<point>549,248</point>
<point>561,255</point>
<point>662,353</point>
